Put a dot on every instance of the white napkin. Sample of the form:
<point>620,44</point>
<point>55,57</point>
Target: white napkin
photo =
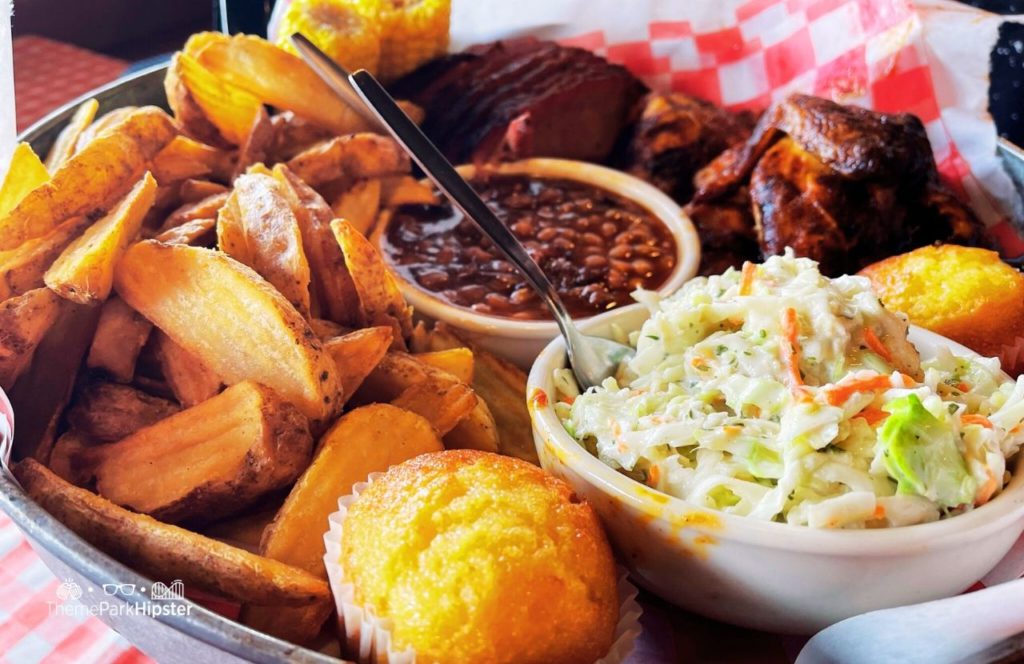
<point>947,630</point>
<point>8,123</point>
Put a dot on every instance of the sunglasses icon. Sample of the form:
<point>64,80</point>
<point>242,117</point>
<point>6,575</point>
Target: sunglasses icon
<point>122,588</point>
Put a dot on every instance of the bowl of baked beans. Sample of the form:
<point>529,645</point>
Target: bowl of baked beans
<point>597,233</point>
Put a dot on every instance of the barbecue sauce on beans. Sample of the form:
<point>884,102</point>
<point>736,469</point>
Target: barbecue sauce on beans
<point>596,248</point>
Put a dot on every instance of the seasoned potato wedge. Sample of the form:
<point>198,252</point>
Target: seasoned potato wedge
<point>476,431</point>
<point>69,458</point>
<point>499,383</point>
<point>41,394</point>
<point>245,530</point>
<point>234,321</point>
<point>346,454</point>
<point>190,116</point>
<point>197,232</point>
<point>326,329</point>
<point>24,321</point>
<point>107,412</point>
<point>210,460</point>
<point>357,353</point>
<point>22,269</point>
<point>120,335</point>
<point>84,272</point>
<point>229,108</point>
<point>165,552</point>
<point>67,141</point>
<point>442,402</point>
<point>293,134</point>
<point>359,205</point>
<point>102,124</point>
<point>25,173</point>
<point>456,361</point>
<point>258,228</point>
<point>204,208</point>
<point>185,158</point>
<point>405,189</point>
<point>191,381</point>
<point>194,190</point>
<point>257,145</point>
<point>381,301</point>
<point>280,79</point>
<point>355,157</point>
<point>334,292</point>
<point>92,180</point>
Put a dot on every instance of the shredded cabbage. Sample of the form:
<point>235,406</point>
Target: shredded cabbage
<point>780,394</point>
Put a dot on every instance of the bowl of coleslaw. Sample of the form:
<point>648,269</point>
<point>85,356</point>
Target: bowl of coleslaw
<point>783,453</point>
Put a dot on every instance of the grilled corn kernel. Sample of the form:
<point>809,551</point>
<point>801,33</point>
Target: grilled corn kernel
<point>349,32</point>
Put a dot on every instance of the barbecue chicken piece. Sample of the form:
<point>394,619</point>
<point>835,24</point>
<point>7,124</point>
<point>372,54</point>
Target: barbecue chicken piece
<point>676,135</point>
<point>840,184</point>
<point>726,231</point>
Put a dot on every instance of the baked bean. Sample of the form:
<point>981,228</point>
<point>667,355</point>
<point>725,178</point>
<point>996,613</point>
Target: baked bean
<point>596,248</point>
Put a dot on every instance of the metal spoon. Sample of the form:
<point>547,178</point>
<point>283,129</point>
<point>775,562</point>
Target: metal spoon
<point>592,358</point>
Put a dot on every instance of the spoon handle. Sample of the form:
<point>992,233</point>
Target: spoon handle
<point>444,175</point>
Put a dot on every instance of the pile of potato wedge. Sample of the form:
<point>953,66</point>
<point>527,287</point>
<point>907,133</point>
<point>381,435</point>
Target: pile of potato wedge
<point>203,349</point>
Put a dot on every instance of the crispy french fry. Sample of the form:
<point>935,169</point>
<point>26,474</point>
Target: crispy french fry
<point>381,301</point>
<point>229,108</point>
<point>120,335</point>
<point>359,205</point>
<point>334,292</point>
<point>107,412</point>
<point>234,321</point>
<point>22,269</point>
<point>210,460</point>
<point>499,383</point>
<point>198,233</point>
<point>41,394</point>
<point>442,402</point>
<point>24,321</point>
<point>202,209</point>
<point>355,156</point>
<point>92,180</point>
<point>357,354</point>
<point>456,361</point>
<point>193,190</point>
<point>261,231</point>
<point>346,454</point>
<point>166,552</point>
<point>191,381</point>
<point>185,158</point>
<point>67,141</point>
<point>405,189</point>
<point>280,79</point>
<point>84,272</point>
<point>25,173</point>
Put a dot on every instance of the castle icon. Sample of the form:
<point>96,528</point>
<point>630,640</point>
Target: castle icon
<point>176,590</point>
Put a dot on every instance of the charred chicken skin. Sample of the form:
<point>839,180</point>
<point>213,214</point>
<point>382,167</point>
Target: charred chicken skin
<point>840,184</point>
<point>674,137</point>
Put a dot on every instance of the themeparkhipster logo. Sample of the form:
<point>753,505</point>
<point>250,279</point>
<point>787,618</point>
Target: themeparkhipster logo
<point>120,599</point>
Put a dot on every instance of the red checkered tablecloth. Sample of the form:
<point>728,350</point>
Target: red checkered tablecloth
<point>49,73</point>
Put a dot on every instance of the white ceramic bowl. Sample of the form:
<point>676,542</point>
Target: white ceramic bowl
<point>520,341</point>
<point>765,575</point>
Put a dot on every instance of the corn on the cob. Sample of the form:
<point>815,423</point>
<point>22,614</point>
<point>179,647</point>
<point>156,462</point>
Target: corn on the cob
<point>412,32</point>
<point>349,32</point>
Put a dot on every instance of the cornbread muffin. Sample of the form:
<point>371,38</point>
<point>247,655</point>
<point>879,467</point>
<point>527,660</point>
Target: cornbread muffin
<point>477,557</point>
<point>964,293</point>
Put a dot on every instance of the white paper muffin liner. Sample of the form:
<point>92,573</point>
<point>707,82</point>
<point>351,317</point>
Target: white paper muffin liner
<point>368,637</point>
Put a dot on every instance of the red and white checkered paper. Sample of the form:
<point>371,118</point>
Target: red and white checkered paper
<point>929,58</point>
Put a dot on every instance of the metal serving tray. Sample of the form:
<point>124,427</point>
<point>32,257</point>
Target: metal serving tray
<point>188,634</point>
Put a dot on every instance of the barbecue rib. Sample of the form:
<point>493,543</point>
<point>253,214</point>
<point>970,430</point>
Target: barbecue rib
<point>522,98</point>
<point>840,184</point>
